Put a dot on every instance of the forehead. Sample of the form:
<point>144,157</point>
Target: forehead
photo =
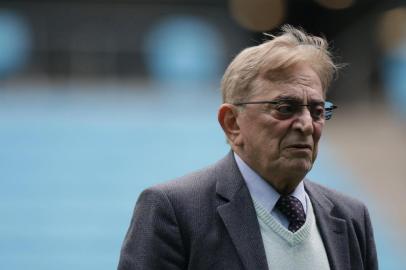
<point>298,82</point>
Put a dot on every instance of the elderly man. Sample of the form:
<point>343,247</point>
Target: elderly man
<point>254,209</point>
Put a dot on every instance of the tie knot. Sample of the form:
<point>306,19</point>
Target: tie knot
<point>292,208</point>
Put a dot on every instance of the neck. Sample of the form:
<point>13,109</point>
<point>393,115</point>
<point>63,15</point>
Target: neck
<point>283,180</point>
<point>284,185</point>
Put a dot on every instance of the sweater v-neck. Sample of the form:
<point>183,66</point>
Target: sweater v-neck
<point>270,223</point>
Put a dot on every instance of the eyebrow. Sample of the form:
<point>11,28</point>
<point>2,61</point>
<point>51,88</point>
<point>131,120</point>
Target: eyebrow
<point>285,97</point>
<point>292,98</point>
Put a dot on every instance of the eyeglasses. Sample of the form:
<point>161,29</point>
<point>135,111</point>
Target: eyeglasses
<point>284,109</point>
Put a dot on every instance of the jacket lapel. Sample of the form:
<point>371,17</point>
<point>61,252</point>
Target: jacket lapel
<point>333,229</point>
<point>239,216</point>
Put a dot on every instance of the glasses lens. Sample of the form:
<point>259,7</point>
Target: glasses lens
<point>286,108</point>
<point>328,107</point>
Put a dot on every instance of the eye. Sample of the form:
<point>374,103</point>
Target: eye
<point>286,108</point>
<point>317,111</point>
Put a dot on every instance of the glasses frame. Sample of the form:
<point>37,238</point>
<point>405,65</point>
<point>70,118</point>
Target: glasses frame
<point>328,106</point>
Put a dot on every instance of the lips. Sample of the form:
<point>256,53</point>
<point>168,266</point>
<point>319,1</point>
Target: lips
<point>300,146</point>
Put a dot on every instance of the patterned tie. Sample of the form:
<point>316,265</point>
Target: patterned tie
<point>292,208</point>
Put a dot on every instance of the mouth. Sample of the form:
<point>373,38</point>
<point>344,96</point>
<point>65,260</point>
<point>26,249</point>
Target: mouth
<point>300,146</point>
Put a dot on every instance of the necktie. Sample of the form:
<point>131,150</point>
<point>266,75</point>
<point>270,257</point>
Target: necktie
<point>292,208</point>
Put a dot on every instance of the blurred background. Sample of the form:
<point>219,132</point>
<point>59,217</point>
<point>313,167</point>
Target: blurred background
<point>100,99</point>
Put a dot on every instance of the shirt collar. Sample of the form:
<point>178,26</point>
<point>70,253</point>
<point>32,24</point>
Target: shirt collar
<point>264,193</point>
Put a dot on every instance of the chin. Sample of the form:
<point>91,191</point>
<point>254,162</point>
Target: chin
<point>300,166</point>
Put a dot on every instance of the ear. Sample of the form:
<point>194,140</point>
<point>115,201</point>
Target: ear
<point>228,119</point>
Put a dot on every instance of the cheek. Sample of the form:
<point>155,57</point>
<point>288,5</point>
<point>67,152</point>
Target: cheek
<point>274,139</point>
<point>316,137</point>
<point>318,129</point>
<point>281,130</point>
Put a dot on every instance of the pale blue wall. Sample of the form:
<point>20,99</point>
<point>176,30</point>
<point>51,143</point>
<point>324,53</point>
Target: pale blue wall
<point>73,161</point>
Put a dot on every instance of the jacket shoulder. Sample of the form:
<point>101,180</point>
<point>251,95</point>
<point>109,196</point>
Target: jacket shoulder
<point>191,183</point>
<point>341,202</point>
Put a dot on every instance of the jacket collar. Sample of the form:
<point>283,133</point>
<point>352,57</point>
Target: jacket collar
<point>333,229</point>
<point>239,216</point>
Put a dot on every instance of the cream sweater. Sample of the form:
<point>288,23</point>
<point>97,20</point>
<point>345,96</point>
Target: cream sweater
<point>302,250</point>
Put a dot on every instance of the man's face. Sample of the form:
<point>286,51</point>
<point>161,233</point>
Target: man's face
<point>274,145</point>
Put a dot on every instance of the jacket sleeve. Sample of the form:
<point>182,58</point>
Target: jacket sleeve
<point>153,240</point>
<point>371,258</point>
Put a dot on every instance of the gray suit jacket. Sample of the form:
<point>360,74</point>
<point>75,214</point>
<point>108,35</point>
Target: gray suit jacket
<point>206,220</point>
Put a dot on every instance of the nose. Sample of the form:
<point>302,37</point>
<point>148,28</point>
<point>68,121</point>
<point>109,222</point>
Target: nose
<point>304,122</point>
